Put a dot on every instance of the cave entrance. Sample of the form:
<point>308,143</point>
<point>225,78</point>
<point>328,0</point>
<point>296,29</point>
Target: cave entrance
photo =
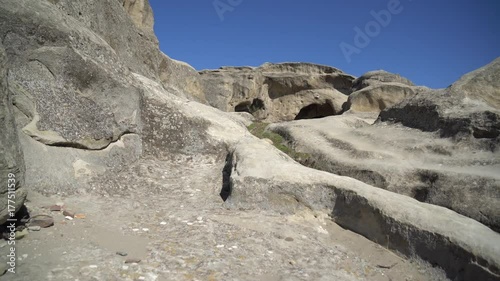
<point>250,107</point>
<point>315,111</point>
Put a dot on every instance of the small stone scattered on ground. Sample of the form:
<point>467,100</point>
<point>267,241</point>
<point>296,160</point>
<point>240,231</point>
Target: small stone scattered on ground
<point>34,228</point>
<point>132,260</point>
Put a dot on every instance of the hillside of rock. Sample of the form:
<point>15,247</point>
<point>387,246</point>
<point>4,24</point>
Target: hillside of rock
<point>467,110</point>
<point>138,167</point>
<point>278,92</point>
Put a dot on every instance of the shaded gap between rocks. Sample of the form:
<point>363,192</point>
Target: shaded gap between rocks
<point>226,178</point>
<point>250,107</point>
<point>315,110</point>
<point>76,145</point>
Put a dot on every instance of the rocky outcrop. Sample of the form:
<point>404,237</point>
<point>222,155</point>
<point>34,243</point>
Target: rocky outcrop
<point>278,92</point>
<point>94,99</point>
<point>141,13</point>
<point>378,77</point>
<point>12,189</point>
<point>181,79</point>
<point>265,179</point>
<point>468,110</point>
<point>75,98</point>
<point>378,97</point>
<point>378,90</point>
<point>125,26</point>
<point>402,160</point>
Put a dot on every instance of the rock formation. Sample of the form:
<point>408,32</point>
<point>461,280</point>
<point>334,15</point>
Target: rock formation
<point>378,90</point>
<point>468,108</point>
<point>12,190</point>
<point>278,92</point>
<point>107,122</point>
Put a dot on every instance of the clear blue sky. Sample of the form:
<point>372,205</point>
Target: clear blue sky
<point>431,42</point>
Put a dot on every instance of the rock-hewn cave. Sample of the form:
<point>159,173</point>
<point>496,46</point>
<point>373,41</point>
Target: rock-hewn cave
<point>315,111</point>
<point>250,107</point>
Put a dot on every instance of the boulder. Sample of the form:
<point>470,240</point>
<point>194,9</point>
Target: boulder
<point>377,77</point>
<point>375,98</point>
<point>377,90</point>
<point>12,188</point>
<point>278,92</point>
<point>469,110</point>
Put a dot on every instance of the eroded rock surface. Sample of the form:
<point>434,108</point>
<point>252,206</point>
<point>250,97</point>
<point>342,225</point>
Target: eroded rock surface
<point>12,189</point>
<point>278,92</point>
<point>469,110</point>
<point>407,161</point>
<point>378,90</point>
<point>110,125</point>
<point>269,179</point>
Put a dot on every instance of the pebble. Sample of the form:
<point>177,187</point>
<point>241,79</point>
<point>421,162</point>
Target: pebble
<point>145,229</point>
<point>25,256</point>
<point>199,218</point>
<point>34,228</point>
<point>69,213</point>
<point>289,239</point>
<point>235,247</point>
<point>142,278</point>
<point>220,246</point>
<point>135,229</point>
<point>163,223</point>
<point>189,223</point>
<point>21,234</point>
<point>123,254</point>
<point>132,260</point>
<point>93,266</point>
<point>42,221</point>
<point>125,267</point>
<point>55,208</point>
<point>68,218</point>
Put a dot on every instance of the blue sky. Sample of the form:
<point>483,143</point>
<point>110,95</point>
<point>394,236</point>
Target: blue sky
<point>432,43</point>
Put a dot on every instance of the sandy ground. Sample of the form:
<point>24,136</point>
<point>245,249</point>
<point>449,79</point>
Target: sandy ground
<point>170,217</point>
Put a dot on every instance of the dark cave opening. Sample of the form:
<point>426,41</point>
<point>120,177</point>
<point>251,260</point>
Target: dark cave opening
<point>315,111</point>
<point>250,107</point>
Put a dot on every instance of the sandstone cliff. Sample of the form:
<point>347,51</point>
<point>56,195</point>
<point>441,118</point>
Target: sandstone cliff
<point>278,92</point>
<point>94,116</point>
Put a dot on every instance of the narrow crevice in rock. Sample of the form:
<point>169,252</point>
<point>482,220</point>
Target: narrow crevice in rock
<point>76,145</point>
<point>226,178</point>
